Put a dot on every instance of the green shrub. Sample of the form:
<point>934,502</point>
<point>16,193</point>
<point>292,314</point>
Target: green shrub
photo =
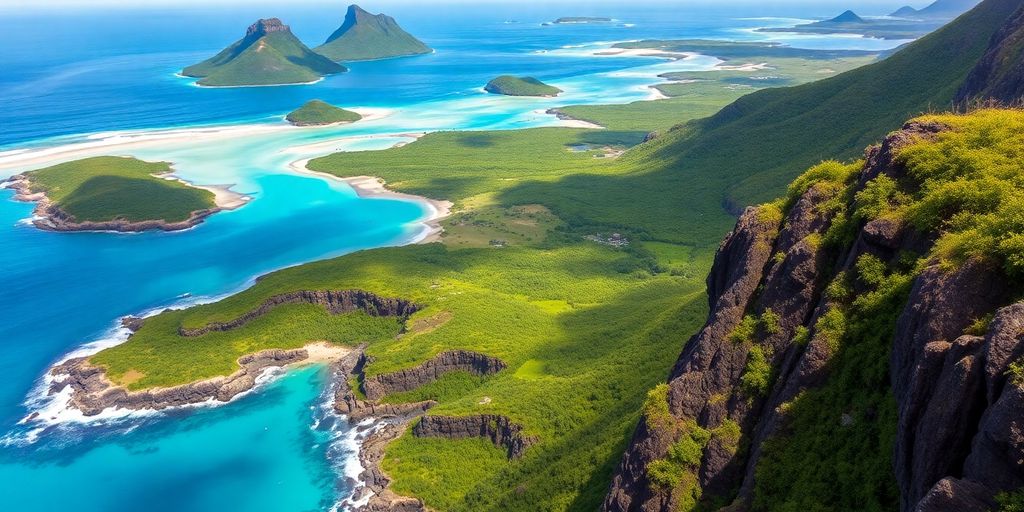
<point>757,374</point>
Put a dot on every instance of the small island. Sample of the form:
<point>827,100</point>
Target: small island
<point>110,193</point>
<point>577,20</point>
<point>365,36</point>
<point>320,113</point>
<point>521,86</point>
<point>269,54</point>
<point>850,22</point>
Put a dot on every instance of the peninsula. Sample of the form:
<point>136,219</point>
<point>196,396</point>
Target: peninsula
<point>320,113</point>
<point>269,54</point>
<point>521,86</point>
<point>365,36</point>
<point>110,193</point>
<point>850,23</point>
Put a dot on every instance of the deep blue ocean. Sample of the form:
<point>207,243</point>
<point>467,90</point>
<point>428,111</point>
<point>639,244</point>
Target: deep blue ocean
<point>102,81</point>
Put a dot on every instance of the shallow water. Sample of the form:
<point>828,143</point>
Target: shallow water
<point>75,74</point>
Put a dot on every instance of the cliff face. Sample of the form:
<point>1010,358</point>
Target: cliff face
<point>1000,73</point>
<point>797,291</point>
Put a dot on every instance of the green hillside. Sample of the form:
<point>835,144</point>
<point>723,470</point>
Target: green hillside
<point>365,36</point>
<point>520,86</point>
<point>317,112</point>
<point>269,54</point>
<point>105,188</point>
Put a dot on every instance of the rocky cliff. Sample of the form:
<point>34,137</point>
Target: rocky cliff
<point>836,321</point>
<point>335,301</point>
<point>377,386</point>
<point>1000,73</point>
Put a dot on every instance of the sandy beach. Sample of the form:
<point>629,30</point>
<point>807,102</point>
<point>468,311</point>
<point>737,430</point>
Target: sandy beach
<point>372,187</point>
<point>644,52</point>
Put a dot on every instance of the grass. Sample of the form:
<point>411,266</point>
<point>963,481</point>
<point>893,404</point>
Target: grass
<point>520,86</point>
<point>106,188</point>
<point>317,112</point>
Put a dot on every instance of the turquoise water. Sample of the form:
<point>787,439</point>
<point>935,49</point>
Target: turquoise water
<point>103,82</point>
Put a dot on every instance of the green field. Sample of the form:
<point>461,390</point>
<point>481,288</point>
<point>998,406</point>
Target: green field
<point>520,86</point>
<point>106,188</point>
<point>317,112</point>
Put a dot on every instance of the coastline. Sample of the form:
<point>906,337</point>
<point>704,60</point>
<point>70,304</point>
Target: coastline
<point>375,188</point>
<point>91,393</point>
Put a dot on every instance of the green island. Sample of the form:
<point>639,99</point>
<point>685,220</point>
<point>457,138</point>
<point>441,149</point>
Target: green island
<point>521,86</point>
<point>850,23</point>
<point>365,36</point>
<point>269,54</point>
<point>578,258</point>
<point>318,112</point>
<point>115,193</point>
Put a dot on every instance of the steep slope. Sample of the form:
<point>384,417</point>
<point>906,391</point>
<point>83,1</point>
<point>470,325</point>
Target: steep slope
<point>1000,74</point>
<point>269,54</point>
<point>365,36</point>
<point>863,348</point>
<point>836,117</point>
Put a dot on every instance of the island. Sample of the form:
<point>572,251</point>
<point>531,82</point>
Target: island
<point>320,113</point>
<point>521,86</point>
<point>110,193</point>
<point>579,20</point>
<point>850,23</point>
<point>940,9</point>
<point>365,36</point>
<point>269,54</point>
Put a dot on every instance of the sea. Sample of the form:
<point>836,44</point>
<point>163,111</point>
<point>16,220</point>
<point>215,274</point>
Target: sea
<point>94,79</point>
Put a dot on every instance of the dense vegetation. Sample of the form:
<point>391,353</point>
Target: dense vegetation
<point>263,58</point>
<point>965,185</point>
<point>520,86</point>
<point>317,112</point>
<point>105,188</point>
<point>365,36</point>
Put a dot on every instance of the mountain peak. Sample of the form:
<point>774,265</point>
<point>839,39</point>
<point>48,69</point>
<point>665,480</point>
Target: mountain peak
<point>263,27</point>
<point>367,36</point>
<point>847,17</point>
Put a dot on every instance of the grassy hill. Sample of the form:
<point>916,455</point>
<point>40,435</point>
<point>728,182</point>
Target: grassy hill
<point>365,36</point>
<point>317,112</point>
<point>105,188</point>
<point>520,86</point>
<point>269,54</point>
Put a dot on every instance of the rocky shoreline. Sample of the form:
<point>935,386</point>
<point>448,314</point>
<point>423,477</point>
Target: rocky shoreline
<point>92,392</point>
<point>50,217</point>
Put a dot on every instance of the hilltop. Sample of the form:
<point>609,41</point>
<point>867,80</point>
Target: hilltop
<point>521,86</point>
<point>365,36</point>
<point>269,54</point>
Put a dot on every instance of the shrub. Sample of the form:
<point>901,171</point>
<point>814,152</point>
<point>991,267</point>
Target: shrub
<point>757,374</point>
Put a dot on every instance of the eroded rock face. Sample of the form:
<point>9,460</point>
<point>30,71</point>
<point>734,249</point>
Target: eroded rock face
<point>92,392</point>
<point>378,386</point>
<point>336,302</point>
<point>960,432</point>
<point>1000,73</point>
<point>499,429</point>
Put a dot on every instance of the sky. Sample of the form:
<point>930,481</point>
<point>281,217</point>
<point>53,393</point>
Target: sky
<point>9,5</point>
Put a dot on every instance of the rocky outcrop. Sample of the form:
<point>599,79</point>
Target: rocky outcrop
<point>336,302</point>
<point>999,75</point>
<point>378,386</point>
<point>92,392</point>
<point>499,429</point>
<point>50,217</point>
<point>960,431</point>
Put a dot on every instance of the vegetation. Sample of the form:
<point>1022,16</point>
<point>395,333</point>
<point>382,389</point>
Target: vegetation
<point>317,112</point>
<point>106,188</point>
<point>963,183</point>
<point>520,86</point>
<point>268,55</point>
<point>365,36</point>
